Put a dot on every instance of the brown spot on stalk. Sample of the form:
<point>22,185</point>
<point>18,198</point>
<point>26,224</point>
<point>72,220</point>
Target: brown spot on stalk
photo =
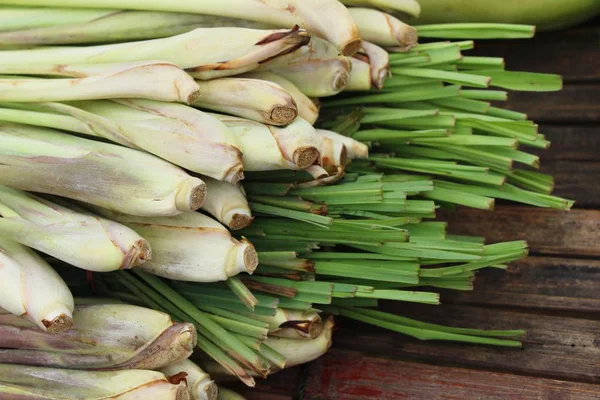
<point>178,378</point>
<point>273,37</point>
<point>311,328</point>
<point>59,324</point>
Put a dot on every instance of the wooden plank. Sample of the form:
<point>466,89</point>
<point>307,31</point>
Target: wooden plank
<point>569,143</point>
<point>546,283</point>
<point>575,180</point>
<point>575,103</point>
<point>554,347</point>
<point>572,53</point>
<point>571,233</point>
<point>349,375</point>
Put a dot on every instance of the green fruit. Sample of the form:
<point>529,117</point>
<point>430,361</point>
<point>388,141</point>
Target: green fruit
<point>545,14</point>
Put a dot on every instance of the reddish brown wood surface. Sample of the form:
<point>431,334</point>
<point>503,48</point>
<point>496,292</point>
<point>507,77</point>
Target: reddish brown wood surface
<point>347,375</point>
<point>558,347</point>
<point>573,233</point>
<point>537,283</point>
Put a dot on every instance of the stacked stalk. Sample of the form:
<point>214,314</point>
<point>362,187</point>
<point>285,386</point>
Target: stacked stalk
<point>332,215</point>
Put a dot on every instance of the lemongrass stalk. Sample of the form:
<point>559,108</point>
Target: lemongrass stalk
<point>31,288</point>
<point>408,7</point>
<point>294,324</point>
<point>318,78</point>
<point>266,147</point>
<point>253,99</point>
<point>191,247</point>
<point>199,384</point>
<point>307,109</point>
<point>39,383</point>
<point>354,148</point>
<point>384,29</point>
<point>360,75</point>
<point>180,134</point>
<point>104,336</point>
<point>380,63</point>
<point>227,394</point>
<point>302,351</point>
<point>151,80</point>
<point>200,142</point>
<point>80,239</point>
<point>313,15</point>
<point>103,26</point>
<point>111,176</point>
<point>16,18</point>
<point>204,52</point>
<point>227,203</point>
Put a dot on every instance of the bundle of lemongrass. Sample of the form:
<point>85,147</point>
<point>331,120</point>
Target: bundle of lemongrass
<point>166,109</point>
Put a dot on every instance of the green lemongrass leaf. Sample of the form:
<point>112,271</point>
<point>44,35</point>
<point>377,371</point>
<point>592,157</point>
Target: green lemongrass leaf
<point>464,199</point>
<point>457,78</point>
<point>484,95</point>
<point>397,97</point>
<point>421,333</point>
<point>481,63</point>
<point>476,31</point>
<point>507,114</point>
<point>242,292</point>
<point>524,81</point>
<point>310,218</point>
<point>461,103</point>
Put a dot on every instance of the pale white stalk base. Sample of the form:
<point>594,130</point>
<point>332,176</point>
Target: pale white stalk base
<point>354,148</point>
<point>199,384</point>
<point>254,99</point>
<point>76,237</point>
<point>294,324</point>
<point>191,247</point>
<point>55,383</point>
<point>302,351</point>
<point>384,29</point>
<point>205,52</point>
<point>149,80</point>
<point>307,109</point>
<point>30,287</point>
<point>318,78</point>
<point>94,172</point>
<point>266,147</point>
<point>227,203</point>
<point>379,59</point>
<point>360,76</point>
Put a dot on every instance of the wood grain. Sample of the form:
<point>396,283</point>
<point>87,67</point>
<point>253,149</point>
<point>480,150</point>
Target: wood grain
<point>579,180</point>
<point>349,375</point>
<point>554,347</point>
<point>547,283</point>
<point>566,233</point>
<point>573,53</point>
<point>576,103</point>
<point>569,143</point>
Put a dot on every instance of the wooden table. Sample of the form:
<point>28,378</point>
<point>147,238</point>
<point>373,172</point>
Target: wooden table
<point>554,294</point>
